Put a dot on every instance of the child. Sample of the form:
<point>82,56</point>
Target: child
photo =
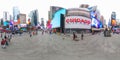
<point>3,43</point>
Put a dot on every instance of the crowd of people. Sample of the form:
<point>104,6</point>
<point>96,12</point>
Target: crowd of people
<point>75,36</point>
<point>7,37</point>
<point>5,40</point>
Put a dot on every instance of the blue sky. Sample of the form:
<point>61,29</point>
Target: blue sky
<point>105,6</point>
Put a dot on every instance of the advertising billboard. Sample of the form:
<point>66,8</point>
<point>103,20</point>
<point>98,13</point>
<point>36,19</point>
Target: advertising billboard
<point>22,18</point>
<point>23,25</point>
<point>113,23</point>
<point>79,22</point>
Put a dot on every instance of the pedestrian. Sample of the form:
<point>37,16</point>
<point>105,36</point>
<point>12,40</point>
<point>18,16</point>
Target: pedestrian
<point>42,32</point>
<point>20,32</point>
<point>6,39</point>
<point>3,43</point>
<point>36,31</point>
<point>11,36</point>
<point>93,32</point>
<point>55,31</point>
<point>74,36</point>
<point>82,36</point>
<point>1,35</point>
<point>33,33</point>
<point>30,34</point>
<point>50,31</point>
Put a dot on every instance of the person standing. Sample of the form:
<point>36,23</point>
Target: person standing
<point>74,36</point>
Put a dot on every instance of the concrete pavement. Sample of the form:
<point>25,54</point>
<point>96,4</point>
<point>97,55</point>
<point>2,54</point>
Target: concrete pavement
<point>54,47</point>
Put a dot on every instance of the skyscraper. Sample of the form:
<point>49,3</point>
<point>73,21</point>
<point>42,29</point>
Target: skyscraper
<point>34,17</point>
<point>42,22</point>
<point>16,13</point>
<point>11,18</point>
<point>6,16</point>
<point>113,15</point>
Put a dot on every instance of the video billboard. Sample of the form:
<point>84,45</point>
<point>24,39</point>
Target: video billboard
<point>56,17</point>
<point>95,22</point>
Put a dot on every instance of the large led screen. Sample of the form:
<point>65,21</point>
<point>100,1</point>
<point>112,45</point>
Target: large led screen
<point>56,18</point>
<point>5,23</point>
<point>95,22</point>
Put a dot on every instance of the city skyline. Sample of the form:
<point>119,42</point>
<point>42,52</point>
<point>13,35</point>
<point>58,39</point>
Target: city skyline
<point>105,6</point>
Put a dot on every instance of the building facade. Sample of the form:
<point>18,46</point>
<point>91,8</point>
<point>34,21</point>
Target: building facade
<point>77,19</point>
<point>22,18</point>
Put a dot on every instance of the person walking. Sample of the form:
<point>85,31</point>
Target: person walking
<point>5,37</point>
<point>11,36</point>
<point>82,36</point>
<point>30,34</point>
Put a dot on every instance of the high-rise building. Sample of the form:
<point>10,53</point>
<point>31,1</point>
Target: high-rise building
<point>49,15</point>
<point>16,13</point>
<point>6,16</point>
<point>22,18</point>
<point>11,18</point>
<point>103,20</point>
<point>109,22</point>
<point>34,17</point>
<point>42,23</point>
<point>1,21</point>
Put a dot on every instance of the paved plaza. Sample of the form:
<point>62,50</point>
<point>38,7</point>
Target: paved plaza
<point>62,47</point>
